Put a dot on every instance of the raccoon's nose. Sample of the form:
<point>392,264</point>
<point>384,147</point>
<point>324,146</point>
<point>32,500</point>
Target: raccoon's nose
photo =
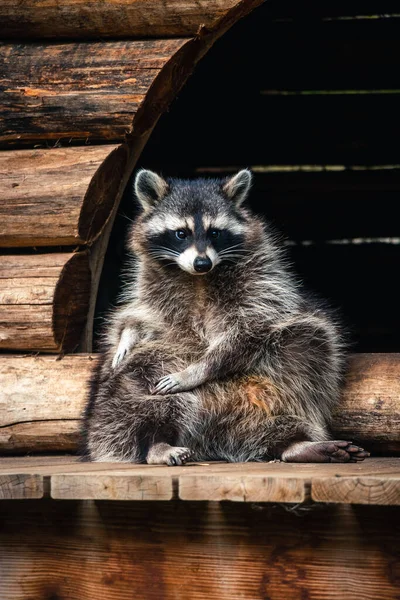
<point>202,264</point>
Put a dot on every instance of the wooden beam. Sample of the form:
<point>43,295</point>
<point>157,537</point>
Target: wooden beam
<point>101,88</point>
<point>370,409</point>
<point>62,196</point>
<point>88,19</point>
<point>43,301</point>
<point>39,414</point>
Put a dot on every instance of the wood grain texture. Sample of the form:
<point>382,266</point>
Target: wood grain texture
<point>62,196</point>
<point>76,92</point>
<point>19,487</point>
<point>110,486</point>
<point>246,487</point>
<point>370,406</point>
<point>375,481</point>
<point>43,301</point>
<point>377,490</point>
<point>192,550</point>
<point>36,412</point>
<point>369,411</point>
<point>91,19</point>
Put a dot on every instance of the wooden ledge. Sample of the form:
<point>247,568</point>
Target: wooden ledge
<point>374,482</point>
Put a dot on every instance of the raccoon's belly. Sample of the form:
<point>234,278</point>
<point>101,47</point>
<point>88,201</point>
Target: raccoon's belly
<point>233,420</point>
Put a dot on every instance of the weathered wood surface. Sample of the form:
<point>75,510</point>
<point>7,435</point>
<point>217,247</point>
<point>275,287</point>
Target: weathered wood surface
<point>43,301</point>
<point>377,489</point>
<point>191,551</point>
<point>91,19</point>
<point>62,196</point>
<point>18,487</point>
<point>78,91</point>
<point>37,414</point>
<point>374,481</point>
<point>370,410</point>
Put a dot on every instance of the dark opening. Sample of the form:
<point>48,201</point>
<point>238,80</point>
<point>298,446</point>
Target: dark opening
<point>307,95</point>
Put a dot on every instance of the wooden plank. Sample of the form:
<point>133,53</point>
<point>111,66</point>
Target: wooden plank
<point>245,488</point>
<point>55,197</point>
<point>18,487</point>
<point>35,417</point>
<point>111,487</point>
<point>89,19</point>
<point>43,301</point>
<point>192,551</point>
<point>376,490</point>
<point>238,482</point>
<point>101,88</point>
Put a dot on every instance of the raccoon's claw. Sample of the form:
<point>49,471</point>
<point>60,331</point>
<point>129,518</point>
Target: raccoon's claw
<point>167,385</point>
<point>118,357</point>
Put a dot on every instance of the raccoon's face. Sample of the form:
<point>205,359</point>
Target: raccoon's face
<point>193,224</point>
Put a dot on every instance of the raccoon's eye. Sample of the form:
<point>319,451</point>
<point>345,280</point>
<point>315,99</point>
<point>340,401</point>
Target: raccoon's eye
<point>181,234</point>
<point>215,233</point>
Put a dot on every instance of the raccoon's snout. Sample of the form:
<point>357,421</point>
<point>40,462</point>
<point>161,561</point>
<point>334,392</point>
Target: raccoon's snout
<point>202,264</point>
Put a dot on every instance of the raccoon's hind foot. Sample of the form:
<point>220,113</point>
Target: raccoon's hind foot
<point>337,451</point>
<point>164,454</point>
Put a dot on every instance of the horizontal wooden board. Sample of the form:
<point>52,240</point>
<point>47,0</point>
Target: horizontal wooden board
<point>76,92</point>
<point>43,301</point>
<point>55,197</point>
<point>192,551</point>
<point>110,486</point>
<point>239,482</point>
<point>89,19</point>
<point>19,487</point>
<point>36,418</point>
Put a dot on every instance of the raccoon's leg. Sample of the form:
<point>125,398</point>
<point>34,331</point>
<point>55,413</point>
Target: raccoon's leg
<point>125,423</point>
<point>323,452</point>
<point>129,338</point>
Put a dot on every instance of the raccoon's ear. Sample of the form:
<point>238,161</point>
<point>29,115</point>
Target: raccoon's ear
<point>237,187</point>
<point>150,188</point>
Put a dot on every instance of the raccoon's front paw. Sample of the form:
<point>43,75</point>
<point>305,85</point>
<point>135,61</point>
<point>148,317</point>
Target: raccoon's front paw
<point>129,338</point>
<point>172,384</point>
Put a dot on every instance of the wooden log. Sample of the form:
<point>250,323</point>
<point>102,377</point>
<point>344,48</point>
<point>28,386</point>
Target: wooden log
<point>56,197</point>
<point>96,98</point>
<point>370,408</point>
<point>43,301</point>
<point>369,411</point>
<point>89,19</point>
<point>191,551</point>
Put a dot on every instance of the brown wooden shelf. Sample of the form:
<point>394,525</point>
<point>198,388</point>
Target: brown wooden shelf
<point>374,482</point>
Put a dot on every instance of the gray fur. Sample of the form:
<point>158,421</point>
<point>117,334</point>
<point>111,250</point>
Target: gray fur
<point>243,362</point>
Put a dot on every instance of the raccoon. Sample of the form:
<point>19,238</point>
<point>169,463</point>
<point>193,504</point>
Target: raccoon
<point>218,353</point>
